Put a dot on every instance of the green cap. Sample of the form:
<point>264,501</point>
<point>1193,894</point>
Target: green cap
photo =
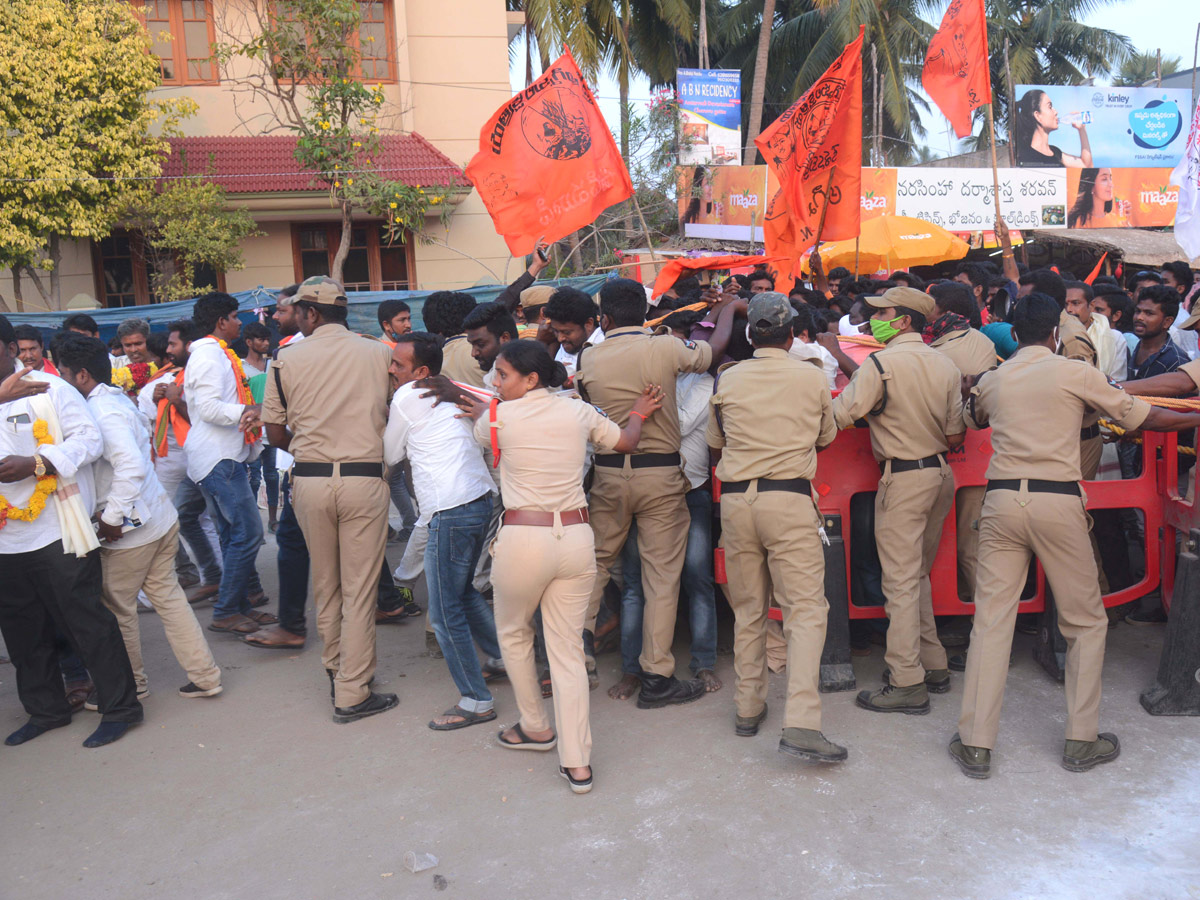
<point>323,290</point>
<point>770,309</point>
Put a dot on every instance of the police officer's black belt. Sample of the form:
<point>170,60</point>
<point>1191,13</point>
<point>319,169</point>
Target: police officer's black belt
<point>346,469</point>
<point>1036,486</point>
<point>794,485</point>
<point>1086,434</point>
<point>638,460</point>
<point>908,465</point>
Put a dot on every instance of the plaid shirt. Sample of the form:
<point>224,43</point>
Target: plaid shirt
<point>1167,359</point>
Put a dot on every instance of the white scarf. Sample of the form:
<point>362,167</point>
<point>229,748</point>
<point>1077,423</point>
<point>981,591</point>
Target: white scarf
<point>78,536</point>
<point>1098,330</point>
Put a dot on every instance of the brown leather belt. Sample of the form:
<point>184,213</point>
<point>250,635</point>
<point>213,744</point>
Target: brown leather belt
<point>545,519</point>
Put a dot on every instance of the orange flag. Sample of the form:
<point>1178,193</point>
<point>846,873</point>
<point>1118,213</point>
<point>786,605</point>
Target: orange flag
<point>815,149</point>
<point>1096,271</point>
<point>547,164</point>
<point>956,74</point>
<point>673,270</point>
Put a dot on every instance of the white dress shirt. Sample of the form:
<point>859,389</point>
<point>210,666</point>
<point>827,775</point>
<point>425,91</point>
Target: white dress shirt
<point>693,391</point>
<point>801,350</point>
<point>126,486</point>
<point>73,457</point>
<point>1187,341</point>
<point>571,360</point>
<point>213,407</point>
<point>172,468</point>
<point>447,468</point>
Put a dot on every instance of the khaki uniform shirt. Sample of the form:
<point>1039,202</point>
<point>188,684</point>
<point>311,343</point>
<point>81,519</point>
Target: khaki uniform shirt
<point>458,364</point>
<point>968,349</point>
<point>1192,370</point>
<point>770,415</point>
<point>543,440</point>
<point>335,396</point>
<point>924,400</point>
<point>1034,404</point>
<point>1073,340</point>
<point>614,373</point>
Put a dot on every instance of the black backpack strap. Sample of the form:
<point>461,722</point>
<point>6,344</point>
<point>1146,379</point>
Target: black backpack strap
<point>878,410</point>
<point>279,387</point>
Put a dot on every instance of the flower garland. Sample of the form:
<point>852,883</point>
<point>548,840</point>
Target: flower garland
<point>46,485</point>
<point>245,397</point>
<point>134,377</point>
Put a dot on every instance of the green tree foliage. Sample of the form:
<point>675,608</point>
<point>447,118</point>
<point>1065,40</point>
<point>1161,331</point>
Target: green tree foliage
<point>1142,68</point>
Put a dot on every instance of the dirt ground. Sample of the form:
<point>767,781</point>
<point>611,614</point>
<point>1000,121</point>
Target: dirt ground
<point>256,795</point>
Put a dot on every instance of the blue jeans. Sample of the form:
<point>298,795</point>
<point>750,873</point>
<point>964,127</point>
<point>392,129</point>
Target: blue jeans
<point>227,490</point>
<point>459,614</point>
<point>398,487</point>
<point>190,504</point>
<point>263,469</point>
<point>696,583</point>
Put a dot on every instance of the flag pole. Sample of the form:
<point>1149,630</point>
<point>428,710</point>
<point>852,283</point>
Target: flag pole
<point>1010,262</point>
<point>824,207</point>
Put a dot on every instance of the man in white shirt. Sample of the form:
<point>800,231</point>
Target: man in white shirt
<point>454,496</point>
<point>42,587</point>
<point>1111,356</point>
<point>223,438</point>
<point>805,345</point>
<point>575,321</point>
<point>138,526</point>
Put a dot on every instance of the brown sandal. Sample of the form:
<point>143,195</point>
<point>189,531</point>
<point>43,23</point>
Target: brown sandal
<point>276,638</point>
<point>262,618</point>
<point>235,624</point>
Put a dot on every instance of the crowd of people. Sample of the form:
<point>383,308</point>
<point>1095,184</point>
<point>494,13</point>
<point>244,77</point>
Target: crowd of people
<point>541,445</point>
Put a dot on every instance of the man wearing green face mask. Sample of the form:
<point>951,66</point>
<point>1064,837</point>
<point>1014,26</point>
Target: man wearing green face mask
<point>910,395</point>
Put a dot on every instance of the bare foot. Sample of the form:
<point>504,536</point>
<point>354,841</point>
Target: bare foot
<point>711,682</point>
<point>625,688</point>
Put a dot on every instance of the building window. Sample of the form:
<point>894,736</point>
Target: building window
<point>181,34</point>
<point>372,264</point>
<point>125,275</point>
<point>375,41</point>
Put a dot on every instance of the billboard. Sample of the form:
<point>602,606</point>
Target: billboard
<point>964,199</point>
<point>722,202</point>
<point>1118,127</point>
<point>710,105</point>
<point>1120,198</point>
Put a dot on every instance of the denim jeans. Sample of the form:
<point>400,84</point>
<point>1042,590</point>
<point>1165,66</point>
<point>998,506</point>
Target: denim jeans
<point>263,469</point>
<point>190,504</point>
<point>696,584</point>
<point>227,490</point>
<point>398,487</point>
<point>459,614</point>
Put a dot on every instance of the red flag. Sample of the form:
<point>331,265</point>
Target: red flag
<point>547,164</point>
<point>673,271</point>
<point>818,139</point>
<point>956,74</point>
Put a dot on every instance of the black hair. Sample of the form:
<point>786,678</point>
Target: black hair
<point>1118,301</point>
<point>1105,279</point>
<point>743,281</point>
<point>683,320</point>
<point>389,309</point>
<point>28,333</point>
<point>910,279</point>
<point>7,336</point>
<point>290,291</point>
<point>211,307</point>
<point>771,336</point>
<point>1035,317</point>
<point>1145,275</point>
<point>81,321</point>
<point>623,300</point>
<point>918,319</point>
<point>330,312</point>
<point>853,287</point>
<point>1085,203</point>
<point>493,316</point>
<point>762,275</point>
<point>1023,119</point>
<point>739,344</point>
<point>531,357</point>
<point>838,272</point>
<point>977,274</point>
<point>1181,272</point>
<point>1048,282</point>
<point>81,353</point>
<point>187,329</point>
<point>687,284</point>
<point>568,304</point>
<point>1167,299</point>
<point>256,330</point>
<point>444,312</point>
<point>133,326</point>
<point>156,344</point>
<point>426,348</point>
<point>803,321</point>
<point>956,297</point>
<point>1084,287</point>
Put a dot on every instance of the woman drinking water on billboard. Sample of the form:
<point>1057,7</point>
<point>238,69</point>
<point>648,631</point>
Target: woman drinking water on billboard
<point>1035,118</point>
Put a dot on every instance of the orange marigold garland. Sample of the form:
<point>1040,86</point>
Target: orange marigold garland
<point>46,485</point>
<point>245,397</point>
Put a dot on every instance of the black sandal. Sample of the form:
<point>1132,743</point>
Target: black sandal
<point>526,742</point>
<point>468,719</point>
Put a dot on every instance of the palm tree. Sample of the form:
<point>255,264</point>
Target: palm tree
<point>1142,69</point>
<point>759,87</point>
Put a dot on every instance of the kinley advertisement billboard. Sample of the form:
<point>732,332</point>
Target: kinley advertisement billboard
<point>726,202</point>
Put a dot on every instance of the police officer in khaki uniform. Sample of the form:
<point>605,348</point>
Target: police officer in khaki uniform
<point>910,394</point>
<point>1034,403</point>
<point>648,485</point>
<point>326,404</point>
<point>770,416</point>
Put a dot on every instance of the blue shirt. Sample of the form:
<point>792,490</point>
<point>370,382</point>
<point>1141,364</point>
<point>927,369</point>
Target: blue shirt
<point>1167,359</point>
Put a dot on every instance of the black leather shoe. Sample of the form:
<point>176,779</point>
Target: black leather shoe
<point>659,690</point>
<point>958,662</point>
<point>747,726</point>
<point>373,705</point>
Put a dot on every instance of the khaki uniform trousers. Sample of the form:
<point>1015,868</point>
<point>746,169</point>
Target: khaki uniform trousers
<point>772,544</point>
<point>1090,452</point>
<point>910,509</point>
<point>656,497</point>
<point>1054,527</point>
<point>344,520</point>
<point>151,568</point>
<point>969,503</point>
<point>553,568</point>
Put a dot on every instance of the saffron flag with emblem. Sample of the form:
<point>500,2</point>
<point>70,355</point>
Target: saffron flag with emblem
<point>815,150</point>
<point>1187,176</point>
<point>547,164</point>
<point>957,76</point>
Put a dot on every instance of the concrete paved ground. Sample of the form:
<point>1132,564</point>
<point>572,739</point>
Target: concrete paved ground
<point>257,794</point>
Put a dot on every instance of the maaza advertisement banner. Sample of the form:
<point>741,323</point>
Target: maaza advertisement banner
<point>723,203</point>
<point>710,103</point>
<point>1088,127</point>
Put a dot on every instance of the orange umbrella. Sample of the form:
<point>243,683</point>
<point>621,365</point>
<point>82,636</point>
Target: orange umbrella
<point>893,242</point>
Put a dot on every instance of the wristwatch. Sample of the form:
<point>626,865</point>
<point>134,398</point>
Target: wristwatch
<point>39,466</point>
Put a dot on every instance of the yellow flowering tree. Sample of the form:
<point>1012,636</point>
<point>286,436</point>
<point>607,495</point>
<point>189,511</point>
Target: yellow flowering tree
<point>77,127</point>
<point>308,61</point>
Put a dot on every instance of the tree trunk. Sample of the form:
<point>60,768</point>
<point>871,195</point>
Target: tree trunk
<point>37,283</point>
<point>528,50</point>
<point>759,87</point>
<point>16,278</point>
<point>55,273</point>
<point>623,90</point>
<point>343,250</point>
<point>703,39</point>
